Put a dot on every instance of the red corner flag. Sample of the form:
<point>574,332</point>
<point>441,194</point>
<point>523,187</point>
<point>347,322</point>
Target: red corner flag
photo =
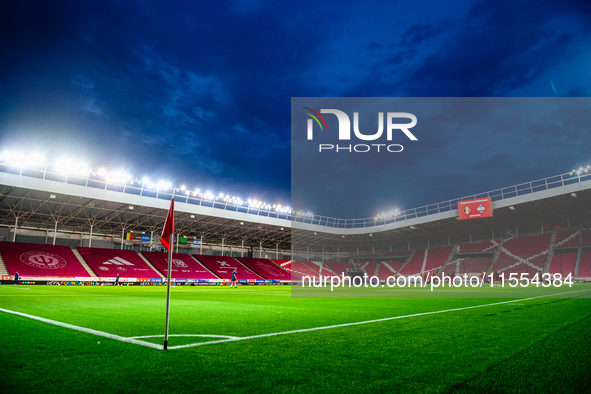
<point>168,226</point>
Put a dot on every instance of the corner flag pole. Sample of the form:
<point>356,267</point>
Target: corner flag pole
<point>168,291</point>
<point>167,239</point>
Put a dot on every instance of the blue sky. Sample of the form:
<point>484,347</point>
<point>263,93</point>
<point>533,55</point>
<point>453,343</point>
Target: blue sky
<point>199,93</point>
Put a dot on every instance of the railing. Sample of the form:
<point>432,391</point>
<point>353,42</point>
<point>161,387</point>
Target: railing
<point>94,180</point>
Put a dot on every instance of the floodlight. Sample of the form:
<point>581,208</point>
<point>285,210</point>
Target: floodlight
<point>183,187</point>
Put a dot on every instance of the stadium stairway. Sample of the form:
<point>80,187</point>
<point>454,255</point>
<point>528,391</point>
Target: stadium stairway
<point>407,261</point>
<point>3,269</point>
<point>150,265</point>
<point>496,256</point>
<point>91,273</point>
<point>450,258</point>
<point>385,266</point>
<point>578,262</point>
<point>550,253</point>
<point>579,253</point>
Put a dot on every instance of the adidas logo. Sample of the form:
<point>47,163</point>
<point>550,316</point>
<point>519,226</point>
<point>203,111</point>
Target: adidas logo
<point>117,261</point>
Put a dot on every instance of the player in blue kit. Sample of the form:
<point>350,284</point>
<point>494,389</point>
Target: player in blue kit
<point>234,280</point>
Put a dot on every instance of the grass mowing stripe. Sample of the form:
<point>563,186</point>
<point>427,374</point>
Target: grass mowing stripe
<point>558,363</point>
<point>83,329</point>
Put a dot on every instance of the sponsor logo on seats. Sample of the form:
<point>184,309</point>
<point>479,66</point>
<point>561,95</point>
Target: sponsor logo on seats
<point>117,261</point>
<point>104,268</point>
<point>44,260</point>
<point>179,263</point>
<point>268,269</point>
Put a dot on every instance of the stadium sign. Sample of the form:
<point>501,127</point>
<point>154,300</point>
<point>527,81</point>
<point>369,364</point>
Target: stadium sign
<point>474,209</point>
<point>345,131</point>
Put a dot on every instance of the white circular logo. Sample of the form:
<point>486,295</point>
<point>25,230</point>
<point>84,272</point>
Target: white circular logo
<point>43,260</point>
<point>121,269</point>
<point>179,263</point>
<point>268,269</point>
<point>102,267</point>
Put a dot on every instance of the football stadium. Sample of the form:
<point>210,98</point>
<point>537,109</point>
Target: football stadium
<point>249,196</point>
<point>87,310</point>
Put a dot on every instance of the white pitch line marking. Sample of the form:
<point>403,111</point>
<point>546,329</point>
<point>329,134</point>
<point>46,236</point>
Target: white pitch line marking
<point>84,329</point>
<point>14,287</point>
<point>56,295</point>
<point>187,335</point>
<point>365,322</point>
<point>234,339</point>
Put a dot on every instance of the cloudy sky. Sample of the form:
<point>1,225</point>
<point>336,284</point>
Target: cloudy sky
<point>199,92</point>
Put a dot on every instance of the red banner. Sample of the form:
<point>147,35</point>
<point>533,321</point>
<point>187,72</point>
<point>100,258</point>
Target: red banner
<point>6,277</point>
<point>473,209</point>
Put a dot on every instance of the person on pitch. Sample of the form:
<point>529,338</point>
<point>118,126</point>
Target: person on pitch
<point>234,280</point>
<point>16,278</point>
<point>117,280</point>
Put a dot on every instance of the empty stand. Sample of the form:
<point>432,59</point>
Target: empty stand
<point>415,264</point>
<point>586,241</point>
<point>285,264</point>
<point>300,269</point>
<point>567,239</point>
<point>369,267</point>
<point>564,264</point>
<point>223,266</point>
<point>266,268</point>
<point>388,269</point>
<point>321,268</point>
<point>183,265</point>
<point>41,260</point>
<point>585,265</point>
<point>484,246</point>
<point>436,258</point>
<point>339,267</point>
<point>468,265</point>
<point>110,262</point>
<point>397,254</point>
<point>523,254</point>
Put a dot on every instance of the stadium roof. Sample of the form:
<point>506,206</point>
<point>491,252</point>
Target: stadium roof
<point>39,203</point>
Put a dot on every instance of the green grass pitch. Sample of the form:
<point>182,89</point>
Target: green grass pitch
<point>536,345</point>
